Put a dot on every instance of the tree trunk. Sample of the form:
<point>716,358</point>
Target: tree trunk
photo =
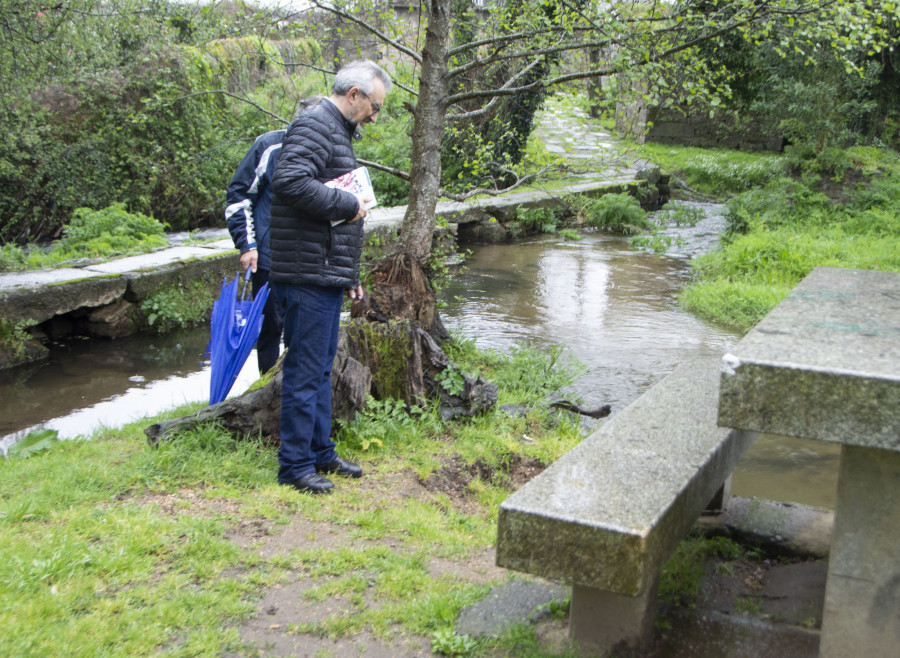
<point>595,86</point>
<point>428,130</point>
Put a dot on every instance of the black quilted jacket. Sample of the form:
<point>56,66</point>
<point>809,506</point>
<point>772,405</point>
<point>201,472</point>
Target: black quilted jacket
<point>306,248</point>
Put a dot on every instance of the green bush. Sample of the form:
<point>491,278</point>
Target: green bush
<point>111,230</point>
<point>541,220</point>
<point>92,234</point>
<point>617,213</point>
<point>178,306</point>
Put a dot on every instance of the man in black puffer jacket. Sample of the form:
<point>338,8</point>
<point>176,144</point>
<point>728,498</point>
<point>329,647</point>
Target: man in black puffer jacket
<point>316,239</point>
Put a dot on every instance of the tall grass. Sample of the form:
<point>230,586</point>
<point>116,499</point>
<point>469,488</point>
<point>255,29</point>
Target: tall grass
<point>719,173</point>
<point>780,232</point>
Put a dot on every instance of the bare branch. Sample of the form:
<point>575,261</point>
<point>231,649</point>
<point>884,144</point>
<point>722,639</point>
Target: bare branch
<point>235,96</point>
<point>399,173</point>
<point>340,11</point>
<point>549,50</point>
<point>495,99</point>
<point>499,40</point>
<point>524,180</point>
<point>474,113</point>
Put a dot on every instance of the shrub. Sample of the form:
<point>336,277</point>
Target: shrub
<point>617,213</point>
<point>178,306</point>
<point>542,220</point>
<point>95,234</point>
<point>113,226</point>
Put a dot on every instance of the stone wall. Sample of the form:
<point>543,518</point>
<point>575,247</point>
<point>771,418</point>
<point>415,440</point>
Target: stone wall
<point>670,126</point>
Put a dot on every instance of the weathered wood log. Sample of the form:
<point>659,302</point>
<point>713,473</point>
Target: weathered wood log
<point>258,412</point>
<point>253,414</point>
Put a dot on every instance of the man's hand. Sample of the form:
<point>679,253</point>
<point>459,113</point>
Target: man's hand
<point>362,212</point>
<point>249,259</point>
<point>355,293</point>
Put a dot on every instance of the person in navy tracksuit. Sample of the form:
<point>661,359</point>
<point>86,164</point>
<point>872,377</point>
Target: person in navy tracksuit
<point>248,204</point>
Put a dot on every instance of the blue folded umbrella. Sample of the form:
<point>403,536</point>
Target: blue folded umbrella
<point>234,328</point>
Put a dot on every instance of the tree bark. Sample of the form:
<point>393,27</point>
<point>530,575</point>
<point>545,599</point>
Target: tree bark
<point>428,131</point>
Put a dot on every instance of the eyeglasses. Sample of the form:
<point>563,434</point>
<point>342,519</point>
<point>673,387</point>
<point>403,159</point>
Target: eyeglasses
<point>376,108</point>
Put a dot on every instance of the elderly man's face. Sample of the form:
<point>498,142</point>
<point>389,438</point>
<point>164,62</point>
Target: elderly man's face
<point>364,108</point>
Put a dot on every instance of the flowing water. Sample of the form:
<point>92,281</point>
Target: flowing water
<point>611,306</point>
<point>90,384</point>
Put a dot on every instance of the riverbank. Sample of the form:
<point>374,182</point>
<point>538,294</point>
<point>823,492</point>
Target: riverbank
<point>176,286</point>
<point>190,548</point>
<point>785,216</point>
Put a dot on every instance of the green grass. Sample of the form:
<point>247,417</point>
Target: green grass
<point>110,546</point>
<point>780,232</point>
<point>718,173</point>
<point>683,573</point>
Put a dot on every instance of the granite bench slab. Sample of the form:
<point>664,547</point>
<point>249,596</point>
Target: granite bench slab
<point>609,513</point>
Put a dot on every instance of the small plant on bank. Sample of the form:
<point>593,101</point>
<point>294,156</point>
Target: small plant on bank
<point>744,605</point>
<point>538,220</point>
<point>686,215</point>
<point>178,306</point>
<point>570,234</point>
<point>32,443</point>
<point>655,242</point>
<point>617,213</point>
<point>448,643</point>
<point>451,381</point>
<point>380,422</point>
<point>13,336</point>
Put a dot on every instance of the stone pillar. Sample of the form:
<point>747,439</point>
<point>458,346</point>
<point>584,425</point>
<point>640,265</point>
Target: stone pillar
<point>603,621</point>
<point>862,596</point>
<point>720,501</point>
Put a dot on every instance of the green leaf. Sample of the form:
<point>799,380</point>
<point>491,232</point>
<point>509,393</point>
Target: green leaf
<point>32,443</point>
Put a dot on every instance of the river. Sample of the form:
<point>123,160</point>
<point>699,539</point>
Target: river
<point>613,307</point>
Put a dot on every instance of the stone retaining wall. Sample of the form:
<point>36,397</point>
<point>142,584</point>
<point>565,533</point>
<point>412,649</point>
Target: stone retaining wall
<point>667,126</point>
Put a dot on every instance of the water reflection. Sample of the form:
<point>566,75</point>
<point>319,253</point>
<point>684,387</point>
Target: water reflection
<point>88,384</point>
<point>614,309</point>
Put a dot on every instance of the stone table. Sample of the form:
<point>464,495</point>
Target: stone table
<point>825,364</point>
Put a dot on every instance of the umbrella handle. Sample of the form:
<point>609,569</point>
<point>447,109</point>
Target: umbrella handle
<point>245,295</point>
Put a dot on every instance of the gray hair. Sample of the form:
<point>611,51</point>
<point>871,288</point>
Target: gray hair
<point>360,74</point>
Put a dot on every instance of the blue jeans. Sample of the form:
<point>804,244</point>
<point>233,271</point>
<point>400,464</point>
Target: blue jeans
<point>311,318</point>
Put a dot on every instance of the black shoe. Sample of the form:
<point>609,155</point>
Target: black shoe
<point>341,467</point>
<point>312,483</point>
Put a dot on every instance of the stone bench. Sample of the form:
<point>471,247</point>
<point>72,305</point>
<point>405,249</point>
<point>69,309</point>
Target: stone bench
<point>607,515</point>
